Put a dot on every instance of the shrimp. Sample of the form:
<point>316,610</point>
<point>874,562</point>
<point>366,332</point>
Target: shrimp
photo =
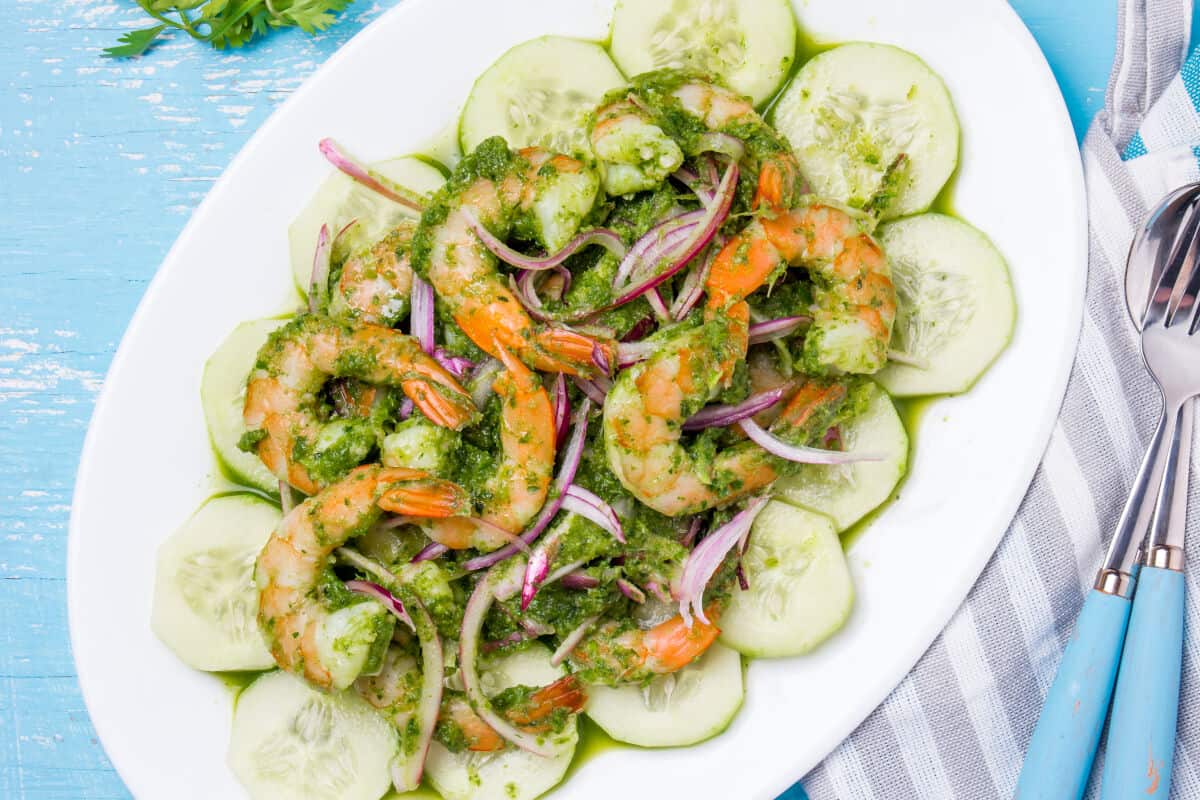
<point>641,134</point>
<point>327,647</point>
<point>620,652</point>
<point>854,298</point>
<point>375,284</point>
<point>650,401</point>
<point>532,194</point>
<point>516,490</point>
<point>535,713</point>
<point>281,407</point>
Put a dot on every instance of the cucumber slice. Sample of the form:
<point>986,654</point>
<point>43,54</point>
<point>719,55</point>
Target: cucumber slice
<point>539,93</point>
<point>290,740</point>
<point>684,707</point>
<point>749,44</point>
<point>800,587</point>
<point>955,306</point>
<point>340,200</point>
<point>223,392</point>
<point>846,492</point>
<point>511,774</point>
<point>851,111</point>
<point>205,601</point>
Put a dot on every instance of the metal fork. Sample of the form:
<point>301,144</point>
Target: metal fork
<point>1060,754</point>
<point>1141,739</point>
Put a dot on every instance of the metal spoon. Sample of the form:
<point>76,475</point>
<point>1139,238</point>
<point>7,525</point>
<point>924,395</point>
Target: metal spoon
<point>1142,271</point>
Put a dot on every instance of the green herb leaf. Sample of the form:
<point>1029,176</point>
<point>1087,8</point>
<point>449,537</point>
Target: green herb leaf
<point>134,43</point>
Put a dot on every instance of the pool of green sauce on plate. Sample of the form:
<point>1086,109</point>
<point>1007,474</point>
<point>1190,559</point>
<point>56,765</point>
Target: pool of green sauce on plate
<point>593,741</point>
<point>911,411</point>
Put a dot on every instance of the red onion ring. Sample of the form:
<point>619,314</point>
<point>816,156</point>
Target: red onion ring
<point>362,175</point>
<point>722,416</point>
<point>797,453</point>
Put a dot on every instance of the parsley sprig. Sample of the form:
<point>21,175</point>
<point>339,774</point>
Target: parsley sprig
<point>225,23</point>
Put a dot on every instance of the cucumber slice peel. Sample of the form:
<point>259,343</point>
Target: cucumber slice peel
<point>685,707</point>
<point>290,740</point>
<point>205,601</point>
<point>955,306</point>
<point>800,592</point>
<point>848,492</point>
<point>222,394</point>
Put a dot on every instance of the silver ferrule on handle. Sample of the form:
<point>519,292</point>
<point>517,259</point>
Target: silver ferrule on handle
<point>1116,574</point>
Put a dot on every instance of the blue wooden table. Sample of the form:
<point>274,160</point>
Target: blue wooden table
<point>101,163</point>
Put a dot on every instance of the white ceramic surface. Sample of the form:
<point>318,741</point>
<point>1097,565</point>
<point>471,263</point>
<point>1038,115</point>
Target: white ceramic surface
<point>146,462</point>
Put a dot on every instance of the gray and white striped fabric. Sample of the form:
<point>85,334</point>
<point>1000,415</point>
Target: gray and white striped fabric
<point>958,725</point>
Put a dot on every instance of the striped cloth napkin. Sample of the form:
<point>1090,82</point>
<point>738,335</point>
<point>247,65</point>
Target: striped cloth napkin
<point>958,725</point>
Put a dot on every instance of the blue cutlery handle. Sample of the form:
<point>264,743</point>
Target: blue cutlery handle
<point>1141,736</point>
<point>1059,758</point>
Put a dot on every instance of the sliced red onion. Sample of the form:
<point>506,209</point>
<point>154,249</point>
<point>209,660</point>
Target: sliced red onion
<point>607,239</point>
<point>657,305</point>
<point>743,582</point>
<point>385,598</point>
<point>769,331</point>
<point>700,187</point>
<point>468,651</point>
<point>345,229</point>
<point>525,287</point>
<point>562,409</point>
<point>723,143</point>
<point>630,353</point>
<point>430,551</point>
<point>586,504</point>
<point>600,359</point>
<point>798,453</point>
<point>833,438</point>
<point>566,476</point>
<point>573,639</point>
<point>703,562</point>
<point>565,569</point>
<point>538,567</point>
<point>362,175</point>
<point>482,379</point>
<point>722,416</point>
<point>421,316</point>
<point>516,637</point>
<point>632,592</point>
<point>319,282</point>
<point>406,776</point>
<point>660,250</point>
<point>640,330</point>
<point>591,389</point>
<point>654,238</point>
<point>458,366</point>
<point>654,588</point>
<point>693,285</point>
<point>576,580</point>
<point>693,530</point>
<point>700,236</point>
<point>406,408</point>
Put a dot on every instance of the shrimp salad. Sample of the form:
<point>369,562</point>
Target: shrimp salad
<point>573,422</point>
